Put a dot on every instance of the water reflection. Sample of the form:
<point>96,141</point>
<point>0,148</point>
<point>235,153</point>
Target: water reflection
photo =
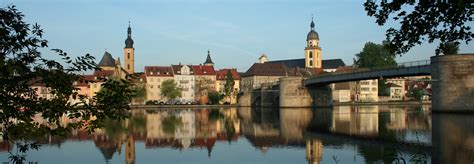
<point>344,134</point>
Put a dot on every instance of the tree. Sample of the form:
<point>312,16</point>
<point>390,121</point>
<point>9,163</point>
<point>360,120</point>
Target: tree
<point>21,65</point>
<point>376,56</point>
<point>446,21</point>
<point>215,97</point>
<point>202,87</point>
<point>449,48</point>
<point>229,85</point>
<point>170,89</point>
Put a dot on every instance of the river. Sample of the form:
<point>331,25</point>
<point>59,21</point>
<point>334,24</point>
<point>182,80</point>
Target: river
<point>342,134</point>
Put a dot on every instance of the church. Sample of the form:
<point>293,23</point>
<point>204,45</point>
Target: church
<point>312,64</point>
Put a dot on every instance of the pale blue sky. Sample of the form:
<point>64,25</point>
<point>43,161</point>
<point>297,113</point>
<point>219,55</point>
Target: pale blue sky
<point>235,31</point>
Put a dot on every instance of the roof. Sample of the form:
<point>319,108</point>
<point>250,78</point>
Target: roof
<point>312,35</point>
<point>103,73</point>
<point>163,71</point>
<point>269,69</point>
<point>139,77</point>
<point>177,69</point>
<point>333,63</point>
<point>390,85</point>
<point>208,58</point>
<point>107,60</point>
<point>203,70</point>
<point>222,74</point>
<point>300,63</point>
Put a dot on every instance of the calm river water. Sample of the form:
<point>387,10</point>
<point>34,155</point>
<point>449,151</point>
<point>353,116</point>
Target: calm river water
<point>343,134</point>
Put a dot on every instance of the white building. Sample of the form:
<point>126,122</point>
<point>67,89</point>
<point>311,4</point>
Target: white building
<point>184,77</point>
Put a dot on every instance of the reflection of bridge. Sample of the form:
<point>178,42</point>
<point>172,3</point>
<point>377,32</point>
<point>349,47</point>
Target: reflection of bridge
<point>452,85</point>
<point>415,68</point>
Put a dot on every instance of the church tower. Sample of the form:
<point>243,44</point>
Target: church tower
<point>129,52</point>
<point>313,55</point>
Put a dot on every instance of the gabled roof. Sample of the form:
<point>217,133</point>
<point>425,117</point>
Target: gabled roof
<point>390,85</point>
<point>203,70</point>
<point>222,74</point>
<point>163,71</point>
<point>107,60</point>
<point>300,63</point>
<point>177,69</point>
<point>269,69</point>
<point>333,63</point>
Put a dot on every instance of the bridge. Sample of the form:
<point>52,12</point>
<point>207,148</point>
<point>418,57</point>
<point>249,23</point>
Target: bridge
<point>452,84</point>
<point>406,69</point>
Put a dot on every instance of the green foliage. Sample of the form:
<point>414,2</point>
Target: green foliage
<point>170,89</point>
<point>113,99</point>
<point>448,48</point>
<point>215,97</point>
<point>384,90</point>
<point>171,123</point>
<point>375,56</point>
<point>21,66</point>
<point>229,84</point>
<point>417,93</point>
<point>421,21</point>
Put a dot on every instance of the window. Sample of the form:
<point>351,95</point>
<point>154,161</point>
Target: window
<point>128,66</point>
<point>151,86</point>
<point>374,89</point>
<point>128,55</point>
<point>310,63</point>
<point>310,54</point>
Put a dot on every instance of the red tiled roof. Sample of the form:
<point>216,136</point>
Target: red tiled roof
<point>203,70</point>
<point>222,74</point>
<point>164,71</point>
<point>103,73</point>
<point>138,78</point>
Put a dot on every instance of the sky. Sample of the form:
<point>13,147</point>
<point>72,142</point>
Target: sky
<point>236,32</point>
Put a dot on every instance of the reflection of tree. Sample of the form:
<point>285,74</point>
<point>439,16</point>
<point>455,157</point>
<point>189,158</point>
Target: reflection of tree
<point>375,154</point>
<point>171,123</point>
<point>229,129</point>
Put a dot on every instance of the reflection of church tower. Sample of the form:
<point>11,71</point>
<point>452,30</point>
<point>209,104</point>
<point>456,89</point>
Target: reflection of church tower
<point>130,150</point>
<point>313,56</point>
<point>314,151</point>
<point>128,52</point>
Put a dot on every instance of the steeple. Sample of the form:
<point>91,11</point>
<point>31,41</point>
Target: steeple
<point>312,23</point>
<point>129,40</point>
<point>208,61</point>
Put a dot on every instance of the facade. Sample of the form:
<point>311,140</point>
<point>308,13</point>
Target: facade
<point>342,92</point>
<point>155,75</point>
<point>400,82</point>
<point>221,77</point>
<point>184,77</point>
<point>396,92</point>
<point>366,91</point>
<point>110,68</point>
<point>205,76</point>
<point>129,52</point>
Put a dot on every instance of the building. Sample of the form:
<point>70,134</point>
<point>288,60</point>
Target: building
<point>109,68</point>
<point>221,78</point>
<point>155,75</point>
<point>342,92</point>
<point>208,61</point>
<point>400,82</point>
<point>366,91</point>
<point>184,78</point>
<point>260,73</point>
<point>129,52</point>
<point>396,92</point>
<point>313,57</point>
<point>205,76</point>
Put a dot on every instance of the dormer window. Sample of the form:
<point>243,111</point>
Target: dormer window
<point>179,71</point>
<point>205,72</point>
<point>151,73</point>
<point>158,73</point>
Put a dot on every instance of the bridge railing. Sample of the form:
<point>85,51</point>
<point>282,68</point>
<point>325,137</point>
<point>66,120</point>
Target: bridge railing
<point>398,66</point>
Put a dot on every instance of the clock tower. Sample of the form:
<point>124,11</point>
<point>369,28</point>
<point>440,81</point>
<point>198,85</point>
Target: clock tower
<point>129,52</point>
<point>313,55</point>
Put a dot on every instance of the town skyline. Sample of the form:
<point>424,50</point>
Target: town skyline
<point>165,35</point>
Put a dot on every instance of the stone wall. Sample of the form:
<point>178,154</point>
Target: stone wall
<point>453,83</point>
<point>293,93</point>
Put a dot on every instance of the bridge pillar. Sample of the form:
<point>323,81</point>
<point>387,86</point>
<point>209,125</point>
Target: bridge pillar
<point>322,96</point>
<point>293,93</point>
<point>245,98</point>
<point>453,83</point>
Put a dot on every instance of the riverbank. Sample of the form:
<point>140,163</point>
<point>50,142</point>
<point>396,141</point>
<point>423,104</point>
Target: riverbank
<point>384,103</point>
<point>181,106</point>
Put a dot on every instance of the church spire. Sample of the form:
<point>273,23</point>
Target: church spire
<point>129,40</point>
<point>312,23</point>
<point>208,61</point>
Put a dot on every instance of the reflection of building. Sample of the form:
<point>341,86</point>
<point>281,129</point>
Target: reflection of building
<point>361,120</point>
<point>314,151</point>
<point>130,150</point>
